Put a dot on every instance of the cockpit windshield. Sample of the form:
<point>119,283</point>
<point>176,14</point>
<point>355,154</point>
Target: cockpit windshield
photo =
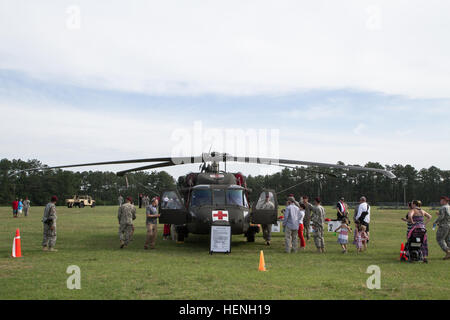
<point>219,197</point>
<point>235,197</point>
<point>201,197</point>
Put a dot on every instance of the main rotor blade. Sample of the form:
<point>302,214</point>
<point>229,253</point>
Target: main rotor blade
<point>269,161</point>
<point>308,170</point>
<point>153,166</point>
<point>175,160</point>
<point>214,156</point>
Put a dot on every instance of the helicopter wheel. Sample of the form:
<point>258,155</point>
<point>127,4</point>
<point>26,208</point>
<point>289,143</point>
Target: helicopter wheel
<point>250,237</point>
<point>180,234</point>
<point>180,238</point>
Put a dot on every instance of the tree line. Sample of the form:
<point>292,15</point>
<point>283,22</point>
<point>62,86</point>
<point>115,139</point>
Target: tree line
<point>104,187</point>
<point>328,184</point>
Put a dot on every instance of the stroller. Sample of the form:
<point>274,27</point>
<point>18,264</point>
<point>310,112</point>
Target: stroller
<point>416,245</point>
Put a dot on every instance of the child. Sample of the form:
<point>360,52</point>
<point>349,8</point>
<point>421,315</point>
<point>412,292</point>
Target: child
<point>166,234</point>
<point>20,208</point>
<point>344,230</point>
<point>301,227</point>
<point>365,237</point>
<point>361,238</point>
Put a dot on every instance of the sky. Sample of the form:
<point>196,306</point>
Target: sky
<point>326,81</point>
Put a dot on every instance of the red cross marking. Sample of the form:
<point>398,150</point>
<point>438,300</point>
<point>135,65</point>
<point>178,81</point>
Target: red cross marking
<point>220,215</point>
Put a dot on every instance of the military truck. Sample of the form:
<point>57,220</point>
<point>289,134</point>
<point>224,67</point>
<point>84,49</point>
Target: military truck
<point>80,202</point>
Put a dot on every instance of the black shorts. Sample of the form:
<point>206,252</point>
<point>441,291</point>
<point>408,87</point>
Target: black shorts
<point>363,223</point>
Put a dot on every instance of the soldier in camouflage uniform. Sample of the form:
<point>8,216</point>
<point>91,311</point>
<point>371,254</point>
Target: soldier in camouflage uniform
<point>443,222</point>
<point>126,215</point>
<point>49,221</point>
<point>307,219</point>
<point>267,228</point>
<point>26,206</point>
<point>146,201</point>
<point>318,220</point>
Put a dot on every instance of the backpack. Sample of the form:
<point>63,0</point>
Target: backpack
<point>364,214</point>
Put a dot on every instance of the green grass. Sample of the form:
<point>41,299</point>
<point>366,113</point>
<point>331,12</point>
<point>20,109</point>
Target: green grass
<point>88,238</point>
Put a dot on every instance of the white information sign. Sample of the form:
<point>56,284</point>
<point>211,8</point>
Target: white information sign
<point>276,228</point>
<point>220,239</point>
<point>333,225</point>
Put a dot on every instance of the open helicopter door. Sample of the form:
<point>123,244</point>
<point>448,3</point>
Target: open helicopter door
<point>172,209</point>
<point>265,210</point>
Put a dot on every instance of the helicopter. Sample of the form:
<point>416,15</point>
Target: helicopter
<point>214,197</point>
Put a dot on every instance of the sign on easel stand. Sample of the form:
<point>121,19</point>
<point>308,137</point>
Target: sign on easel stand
<point>333,225</point>
<point>276,228</point>
<point>220,239</point>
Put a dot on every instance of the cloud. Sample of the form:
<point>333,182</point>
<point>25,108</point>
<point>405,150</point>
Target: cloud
<point>312,113</point>
<point>232,47</point>
<point>359,129</point>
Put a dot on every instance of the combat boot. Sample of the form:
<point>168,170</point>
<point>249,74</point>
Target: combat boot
<point>44,249</point>
<point>447,257</point>
<point>52,250</point>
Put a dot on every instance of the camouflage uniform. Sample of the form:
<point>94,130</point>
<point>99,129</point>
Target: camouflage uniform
<point>49,221</point>
<point>26,207</point>
<point>126,215</point>
<point>307,219</point>
<point>318,219</point>
<point>146,201</point>
<point>267,228</point>
<point>443,232</point>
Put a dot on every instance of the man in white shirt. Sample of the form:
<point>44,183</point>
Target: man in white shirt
<point>363,214</point>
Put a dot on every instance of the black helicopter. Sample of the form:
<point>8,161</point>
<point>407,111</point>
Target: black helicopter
<point>214,197</point>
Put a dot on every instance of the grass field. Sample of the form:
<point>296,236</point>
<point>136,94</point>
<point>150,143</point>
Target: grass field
<point>88,238</point>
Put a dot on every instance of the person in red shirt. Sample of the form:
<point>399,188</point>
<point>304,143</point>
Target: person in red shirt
<point>166,234</point>
<point>15,207</point>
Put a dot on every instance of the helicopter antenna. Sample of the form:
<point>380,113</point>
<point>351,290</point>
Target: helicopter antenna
<point>298,184</point>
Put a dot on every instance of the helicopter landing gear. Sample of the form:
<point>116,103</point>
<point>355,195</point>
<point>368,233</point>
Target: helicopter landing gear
<point>252,231</point>
<point>180,238</point>
<point>182,233</point>
<point>250,237</point>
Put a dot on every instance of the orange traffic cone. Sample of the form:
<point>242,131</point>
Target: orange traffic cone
<point>403,256</point>
<point>402,250</point>
<point>17,248</point>
<point>262,264</point>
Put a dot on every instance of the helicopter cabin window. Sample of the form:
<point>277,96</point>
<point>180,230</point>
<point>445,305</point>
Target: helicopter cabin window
<point>245,200</point>
<point>170,200</point>
<point>219,196</point>
<point>201,197</point>
<point>235,197</point>
<point>266,201</point>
